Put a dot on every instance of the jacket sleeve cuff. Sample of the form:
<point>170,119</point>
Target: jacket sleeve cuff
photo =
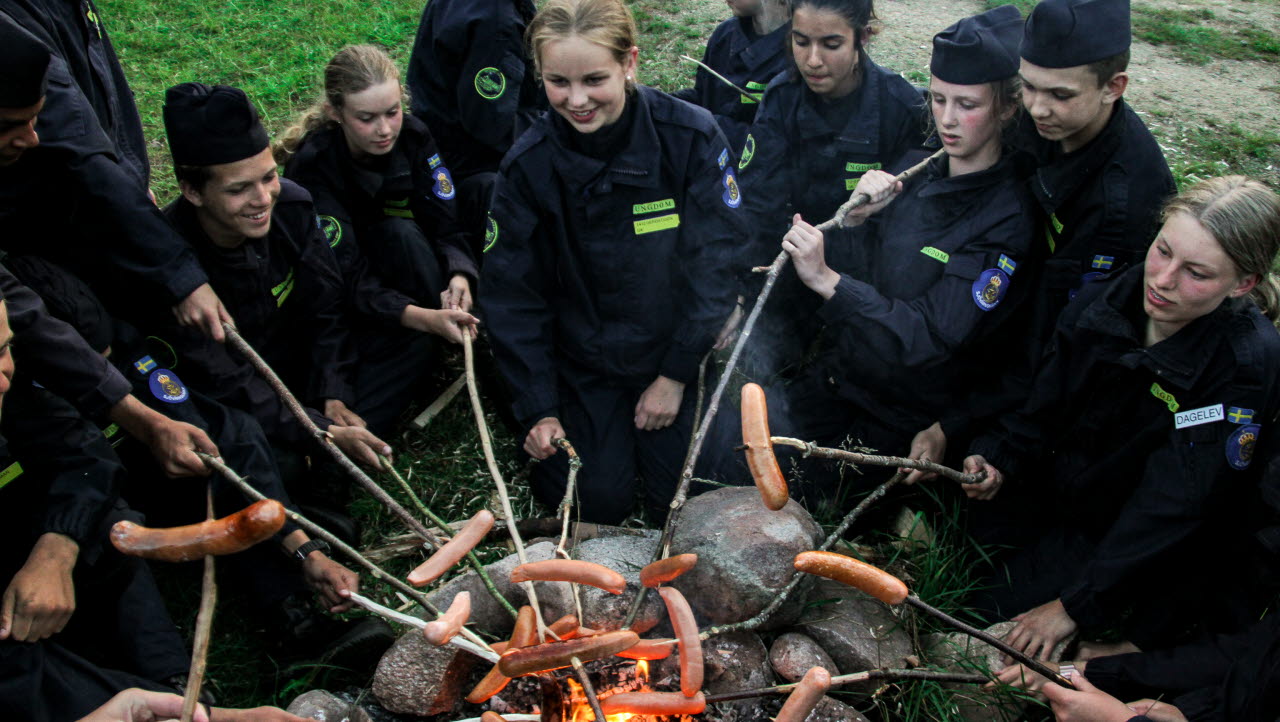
<point>78,522</point>
<point>535,405</point>
<point>1082,606</point>
<point>681,364</point>
<point>185,281</point>
<point>849,297</point>
<point>458,260</point>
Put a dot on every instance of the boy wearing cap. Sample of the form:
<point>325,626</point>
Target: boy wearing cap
<point>1100,176</point>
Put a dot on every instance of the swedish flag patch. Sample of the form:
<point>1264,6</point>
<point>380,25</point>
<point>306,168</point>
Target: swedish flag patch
<point>144,365</point>
<point>1238,415</point>
<point>1006,264</point>
<point>1103,262</point>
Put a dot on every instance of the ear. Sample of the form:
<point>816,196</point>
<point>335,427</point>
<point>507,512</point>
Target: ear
<point>633,62</point>
<point>1115,87</point>
<point>193,196</point>
<point>1245,286</point>
<point>331,113</point>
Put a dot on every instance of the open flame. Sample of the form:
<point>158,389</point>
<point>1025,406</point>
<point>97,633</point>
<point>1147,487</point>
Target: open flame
<point>580,709</point>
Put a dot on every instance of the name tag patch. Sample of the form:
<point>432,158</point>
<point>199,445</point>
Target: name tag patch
<point>661,223</point>
<point>1196,417</point>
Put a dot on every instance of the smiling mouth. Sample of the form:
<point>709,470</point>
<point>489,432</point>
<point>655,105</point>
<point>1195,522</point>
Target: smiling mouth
<point>1157,299</point>
<point>583,116</point>
<point>257,217</point>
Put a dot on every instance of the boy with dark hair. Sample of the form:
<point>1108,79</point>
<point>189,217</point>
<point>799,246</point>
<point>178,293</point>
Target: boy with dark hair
<point>748,49</point>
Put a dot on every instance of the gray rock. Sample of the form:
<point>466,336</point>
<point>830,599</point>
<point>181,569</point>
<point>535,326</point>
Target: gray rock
<point>733,662</point>
<point>418,678</point>
<point>829,710</point>
<point>324,706</point>
<point>745,554</point>
<point>794,654</point>
<point>859,632</point>
<point>601,610</point>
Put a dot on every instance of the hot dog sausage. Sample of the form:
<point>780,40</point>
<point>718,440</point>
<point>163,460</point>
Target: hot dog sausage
<point>805,696</point>
<point>570,570</point>
<point>453,550</point>
<point>878,583</point>
<point>687,636</point>
<point>554,655</point>
<point>760,458</point>
<point>228,535</point>
<point>664,570</point>
<point>450,623</point>
<point>655,703</point>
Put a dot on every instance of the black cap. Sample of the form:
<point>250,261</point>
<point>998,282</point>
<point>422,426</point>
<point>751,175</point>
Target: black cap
<point>979,49</point>
<point>26,63</point>
<point>1068,33</point>
<point>211,125</point>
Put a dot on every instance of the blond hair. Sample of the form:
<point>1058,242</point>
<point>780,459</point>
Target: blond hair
<point>1243,216</point>
<point>607,23</point>
<point>354,69</point>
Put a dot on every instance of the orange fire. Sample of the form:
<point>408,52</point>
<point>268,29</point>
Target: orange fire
<point>581,709</point>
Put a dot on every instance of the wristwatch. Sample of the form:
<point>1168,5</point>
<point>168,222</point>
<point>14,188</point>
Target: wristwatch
<point>307,547</point>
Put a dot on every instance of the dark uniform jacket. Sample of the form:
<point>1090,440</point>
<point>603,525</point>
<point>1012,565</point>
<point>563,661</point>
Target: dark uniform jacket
<point>925,286</point>
<point>285,293</point>
<point>55,355</point>
<point>620,267</point>
<point>795,161</point>
<point>85,186</point>
<point>412,182</point>
<point>1227,678</point>
<point>1100,432</point>
<point>747,59</point>
<point>470,80</point>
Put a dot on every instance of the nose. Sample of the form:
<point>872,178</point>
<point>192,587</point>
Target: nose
<point>948,118</point>
<point>577,96</point>
<point>1036,106</point>
<point>814,57</point>
<point>1166,276</point>
<point>28,138</point>
<point>383,128</point>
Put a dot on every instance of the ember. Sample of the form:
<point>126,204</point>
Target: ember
<point>636,681</point>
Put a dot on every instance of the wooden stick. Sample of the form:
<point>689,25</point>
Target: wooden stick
<point>888,675</point>
<point>838,533</point>
<point>686,474</point>
<point>443,526</point>
<point>441,402</point>
<point>394,616</point>
<point>748,95</point>
<point>204,627</point>
<point>316,530</point>
<point>468,355</point>
<point>588,689</point>
<point>853,457</point>
<point>236,341</point>
<point>566,504</point>
<point>1032,664</point>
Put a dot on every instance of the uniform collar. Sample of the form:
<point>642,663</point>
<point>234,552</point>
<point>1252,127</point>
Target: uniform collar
<point>759,51</point>
<point>939,183</point>
<point>864,103</point>
<point>635,164</point>
<point>1180,359</point>
<point>1060,174</point>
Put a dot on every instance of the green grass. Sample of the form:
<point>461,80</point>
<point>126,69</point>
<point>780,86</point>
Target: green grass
<point>1216,149</point>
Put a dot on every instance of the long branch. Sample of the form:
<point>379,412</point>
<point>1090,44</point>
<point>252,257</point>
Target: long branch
<point>836,534</point>
<point>811,449</point>
<point>323,437</point>
<point>746,95</point>
<point>587,688</point>
<point>686,474</point>
<point>468,356</point>
<point>204,627</point>
<point>485,653</point>
<point>316,530</point>
<point>566,506</point>
<point>888,675</point>
<point>443,526</point>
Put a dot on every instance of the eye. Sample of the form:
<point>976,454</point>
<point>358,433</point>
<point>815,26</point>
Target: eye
<point>364,117</point>
<point>595,80</point>
<point>1062,96</point>
<point>557,82</point>
<point>1162,251</point>
<point>801,42</point>
<point>833,44</point>
<point>968,105</point>
<point>1196,274</point>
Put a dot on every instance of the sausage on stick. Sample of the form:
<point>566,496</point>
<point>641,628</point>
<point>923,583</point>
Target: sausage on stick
<point>215,537</point>
<point>759,448</point>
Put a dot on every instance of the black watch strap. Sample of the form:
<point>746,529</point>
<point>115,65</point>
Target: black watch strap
<point>307,547</point>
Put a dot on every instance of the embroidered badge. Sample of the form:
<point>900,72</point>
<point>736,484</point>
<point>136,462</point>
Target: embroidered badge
<point>1240,446</point>
<point>490,83</point>
<point>1166,397</point>
<point>748,152</point>
<point>936,254</point>
<point>166,386</point>
<point>732,195</point>
<point>443,188</point>
<point>331,228</point>
<point>1006,264</point>
<point>723,159</point>
<point>756,90</point>
<point>144,365</point>
<point>1103,262</point>
<point>665,204</point>
<point>990,288</point>
<point>1195,417</point>
<point>1237,415</point>
<point>657,223</point>
<point>490,233</point>
<point>282,290</point>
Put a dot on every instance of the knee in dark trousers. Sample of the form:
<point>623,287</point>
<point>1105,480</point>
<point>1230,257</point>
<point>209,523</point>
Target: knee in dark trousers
<point>394,368</point>
<point>405,259</point>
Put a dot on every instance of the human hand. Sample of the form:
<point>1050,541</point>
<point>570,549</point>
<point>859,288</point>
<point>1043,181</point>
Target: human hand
<point>203,308</point>
<point>359,444</point>
<point>1157,711</point>
<point>330,579</point>
<point>1040,630</point>
<point>41,597</point>
<point>338,412</point>
<point>804,244</point>
<point>540,442</point>
<point>1019,675</point>
<point>139,705</point>
<point>659,404</point>
<point>928,445</point>
<point>880,188</point>
<point>986,489</point>
<point>1085,703</point>
<point>172,443</point>
<point>729,331</point>
<point>457,297</point>
<point>445,323</point>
